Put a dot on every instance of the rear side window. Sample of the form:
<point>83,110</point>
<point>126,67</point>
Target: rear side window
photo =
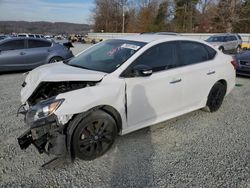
<point>13,45</point>
<point>239,37</point>
<point>211,52</point>
<point>228,38</point>
<point>159,57</point>
<point>233,38</point>
<point>191,53</point>
<point>38,44</point>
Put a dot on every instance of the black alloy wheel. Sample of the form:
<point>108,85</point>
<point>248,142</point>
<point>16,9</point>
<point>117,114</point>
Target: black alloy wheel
<point>216,96</point>
<point>94,135</point>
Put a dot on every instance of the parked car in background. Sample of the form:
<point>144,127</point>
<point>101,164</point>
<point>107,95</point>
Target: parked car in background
<point>28,53</point>
<point>243,63</point>
<point>161,33</point>
<point>226,42</point>
<point>3,37</point>
<point>78,107</point>
<point>31,35</point>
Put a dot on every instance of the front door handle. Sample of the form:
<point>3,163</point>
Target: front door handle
<point>175,81</point>
<point>211,72</point>
<point>22,53</point>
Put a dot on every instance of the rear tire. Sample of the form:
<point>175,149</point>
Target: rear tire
<point>238,49</point>
<point>55,59</point>
<point>221,49</point>
<point>216,96</point>
<point>94,135</point>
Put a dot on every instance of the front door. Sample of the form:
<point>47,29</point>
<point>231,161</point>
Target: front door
<point>151,99</point>
<point>12,56</point>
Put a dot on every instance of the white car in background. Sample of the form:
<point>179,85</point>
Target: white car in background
<point>226,42</point>
<point>78,107</point>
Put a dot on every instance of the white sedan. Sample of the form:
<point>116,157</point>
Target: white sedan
<point>77,108</point>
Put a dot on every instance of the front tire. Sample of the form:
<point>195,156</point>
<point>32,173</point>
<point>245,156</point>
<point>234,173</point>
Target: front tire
<point>216,96</point>
<point>94,135</point>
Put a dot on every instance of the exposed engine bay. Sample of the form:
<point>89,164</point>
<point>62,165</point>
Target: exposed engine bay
<point>46,90</point>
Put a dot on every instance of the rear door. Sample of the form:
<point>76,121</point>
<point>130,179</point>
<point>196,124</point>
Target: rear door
<point>198,73</point>
<point>228,43</point>
<point>37,52</point>
<point>234,42</point>
<point>12,56</point>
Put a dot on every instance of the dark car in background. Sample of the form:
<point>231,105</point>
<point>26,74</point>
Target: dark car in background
<point>243,63</point>
<point>3,37</point>
<point>23,53</point>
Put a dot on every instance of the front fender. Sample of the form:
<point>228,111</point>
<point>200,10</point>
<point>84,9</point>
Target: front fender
<point>82,100</point>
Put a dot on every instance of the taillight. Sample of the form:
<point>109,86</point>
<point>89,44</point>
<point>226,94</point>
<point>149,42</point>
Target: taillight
<point>234,62</point>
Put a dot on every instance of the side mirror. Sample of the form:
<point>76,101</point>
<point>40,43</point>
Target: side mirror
<point>142,70</point>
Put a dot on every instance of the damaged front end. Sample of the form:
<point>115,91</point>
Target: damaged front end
<point>47,132</point>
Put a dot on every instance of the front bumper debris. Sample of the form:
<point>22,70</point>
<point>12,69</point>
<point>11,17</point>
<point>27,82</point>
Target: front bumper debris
<point>48,136</point>
<point>25,140</point>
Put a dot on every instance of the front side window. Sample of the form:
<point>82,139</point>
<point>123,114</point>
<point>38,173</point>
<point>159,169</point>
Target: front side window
<point>38,44</point>
<point>159,57</point>
<point>191,53</point>
<point>106,56</point>
<point>12,45</point>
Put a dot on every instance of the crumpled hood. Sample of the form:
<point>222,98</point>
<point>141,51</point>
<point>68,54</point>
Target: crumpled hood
<point>54,73</point>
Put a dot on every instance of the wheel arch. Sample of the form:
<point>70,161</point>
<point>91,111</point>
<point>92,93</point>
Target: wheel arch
<point>69,130</point>
<point>55,56</point>
<point>222,81</point>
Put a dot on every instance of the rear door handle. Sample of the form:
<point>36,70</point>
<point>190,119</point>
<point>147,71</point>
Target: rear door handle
<point>211,72</point>
<point>175,81</point>
<point>22,53</point>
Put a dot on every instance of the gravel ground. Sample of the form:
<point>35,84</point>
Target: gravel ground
<point>198,149</point>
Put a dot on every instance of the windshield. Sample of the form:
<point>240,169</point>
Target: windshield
<point>216,39</point>
<point>106,56</point>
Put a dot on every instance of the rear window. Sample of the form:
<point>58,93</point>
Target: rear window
<point>38,44</point>
<point>211,52</point>
<point>12,45</point>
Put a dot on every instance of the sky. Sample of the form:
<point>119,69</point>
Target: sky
<point>74,11</point>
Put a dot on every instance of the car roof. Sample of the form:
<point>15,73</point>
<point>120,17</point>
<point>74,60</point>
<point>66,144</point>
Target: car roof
<point>25,38</point>
<point>147,38</point>
<point>224,34</point>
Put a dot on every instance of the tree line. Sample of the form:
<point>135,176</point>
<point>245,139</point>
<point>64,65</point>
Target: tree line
<point>172,15</point>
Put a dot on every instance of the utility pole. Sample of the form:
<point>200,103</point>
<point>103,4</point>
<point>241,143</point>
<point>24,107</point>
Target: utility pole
<point>123,17</point>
